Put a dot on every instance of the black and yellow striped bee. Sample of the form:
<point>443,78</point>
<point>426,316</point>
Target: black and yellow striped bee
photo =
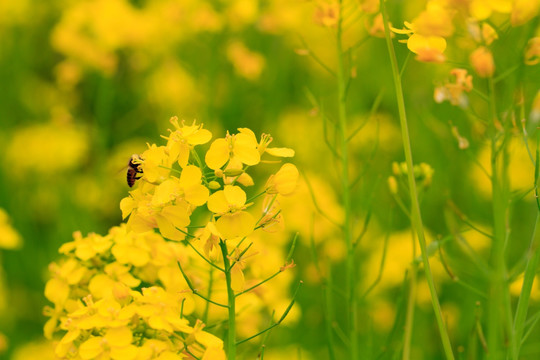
<point>134,171</point>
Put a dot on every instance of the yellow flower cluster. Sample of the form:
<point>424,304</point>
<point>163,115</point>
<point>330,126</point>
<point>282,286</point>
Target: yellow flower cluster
<point>134,293</point>
<point>429,31</point>
<point>46,149</point>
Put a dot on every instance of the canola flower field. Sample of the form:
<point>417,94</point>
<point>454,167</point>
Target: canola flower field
<point>270,179</point>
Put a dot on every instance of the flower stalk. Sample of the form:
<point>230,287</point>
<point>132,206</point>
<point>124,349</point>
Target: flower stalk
<point>231,302</point>
<point>415,211</point>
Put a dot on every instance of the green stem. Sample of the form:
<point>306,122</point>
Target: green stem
<point>329,316</point>
<point>231,335</point>
<point>499,312</point>
<point>346,196</point>
<point>416,215</point>
<point>411,301</point>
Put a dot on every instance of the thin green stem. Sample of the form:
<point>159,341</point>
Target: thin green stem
<point>411,301</point>
<point>231,302</point>
<point>329,313</point>
<point>416,215</point>
<point>346,196</point>
<point>208,294</point>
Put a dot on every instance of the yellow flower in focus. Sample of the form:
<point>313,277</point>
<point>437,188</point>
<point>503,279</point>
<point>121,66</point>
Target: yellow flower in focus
<point>242,146</point>
<point>184,138</point>
<point>188,187</point>
<point>246,63</point>
<point>156,164</point>
<point>532,54</point>
<point>427,48</point>
<point>145,215</point>
<point>229,205</point>
<point>9,238</point>
<point>482,62</point>
<point>523,11</point>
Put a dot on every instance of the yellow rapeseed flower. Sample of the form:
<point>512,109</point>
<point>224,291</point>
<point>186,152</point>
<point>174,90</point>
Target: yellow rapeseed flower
<point>229,205</point>
<point>182,140</point>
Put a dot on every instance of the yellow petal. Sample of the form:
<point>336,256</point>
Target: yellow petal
<point>177,215</point>
<point>239,224</point>
<point>168,231</point>
<point>197,194</point>
<point>124,353</point>
<point>417,43</point>
<point>57,291</point>
<point>286,179</point>
<point>50,327</point>
<point>245,180</point>
<point>234,195</point>
<point>214,354</point>
<point>191,175</point>
<point>202,136</point>
<point>218,154</point>
<point>91,348</point>
<point>127,205</point>
<point>238,280</point>
<point>208,340</point>
<point>119,337</point>
<point>158,323</point>
<point>245,149</point>
<point>165,192</point>
<point>280,152</point>
<point>217,203</point>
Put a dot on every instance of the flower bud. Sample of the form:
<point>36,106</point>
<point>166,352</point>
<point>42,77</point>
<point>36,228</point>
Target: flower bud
<point>392,185</point>
<point>214,185</point>
<point>233,172</point>
<point>395,168</point>
<point>482,62</point>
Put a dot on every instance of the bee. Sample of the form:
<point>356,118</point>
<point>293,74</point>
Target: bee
<point>134,171</point>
